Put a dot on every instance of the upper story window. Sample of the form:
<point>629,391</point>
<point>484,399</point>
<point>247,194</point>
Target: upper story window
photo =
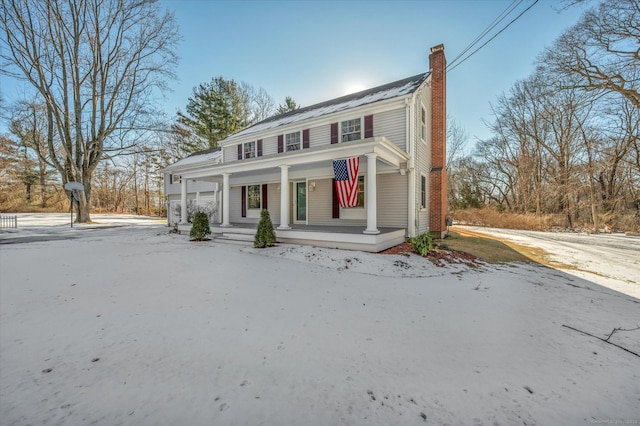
<point>423,125</point>
<point>250,149</point>
<point>351,130</point>
<point>292,141</point>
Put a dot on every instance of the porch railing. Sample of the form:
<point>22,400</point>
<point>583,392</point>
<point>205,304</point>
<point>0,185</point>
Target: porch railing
<point>8,221</point>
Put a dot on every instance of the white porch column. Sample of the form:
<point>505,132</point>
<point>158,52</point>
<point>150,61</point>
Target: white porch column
<point>371,196</point>
<point>183,201</point>
<point>284,198</point>
<point>216,201</point>
<point>225,199</point>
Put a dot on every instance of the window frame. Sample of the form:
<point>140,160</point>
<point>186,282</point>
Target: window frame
<point>423,123</point>
<point>358,212</point>
<point>253,152</point>
<point>343,133</point>
<point>423,191</point>
<point>286,141</point>
<point>252,196</point>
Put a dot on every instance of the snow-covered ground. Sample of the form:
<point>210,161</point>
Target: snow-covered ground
<point>133,325</point>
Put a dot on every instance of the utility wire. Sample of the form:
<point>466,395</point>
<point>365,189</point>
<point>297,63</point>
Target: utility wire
<point>500,18</point>
<point>451,68</point>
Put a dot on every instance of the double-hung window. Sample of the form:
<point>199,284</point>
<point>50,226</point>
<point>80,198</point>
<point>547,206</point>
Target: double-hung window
<point>292,141</point>
<point>250,149</point>
<point>358,212</point>
<point>351,130</point>
<point>254,197</point>
<point>360,202</point>
<point>423,125</point>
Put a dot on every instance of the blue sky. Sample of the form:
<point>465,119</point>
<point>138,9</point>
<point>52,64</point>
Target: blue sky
<point>318,50</point>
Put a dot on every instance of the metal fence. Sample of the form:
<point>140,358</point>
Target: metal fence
<point>8,221</point>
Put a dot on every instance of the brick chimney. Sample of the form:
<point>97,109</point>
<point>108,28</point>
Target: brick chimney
<point>438,205</point>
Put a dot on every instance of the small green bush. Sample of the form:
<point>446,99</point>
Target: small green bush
<point>422,244</point>
<point>265,235</point>
<point>200,229</point>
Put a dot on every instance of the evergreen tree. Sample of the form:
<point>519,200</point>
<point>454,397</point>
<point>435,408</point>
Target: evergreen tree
<point>289,105</point>
<point>218,109</point>
<point>265,235</point>
<point>200,229</point>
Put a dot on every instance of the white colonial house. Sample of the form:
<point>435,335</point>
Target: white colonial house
<point>286,164</point>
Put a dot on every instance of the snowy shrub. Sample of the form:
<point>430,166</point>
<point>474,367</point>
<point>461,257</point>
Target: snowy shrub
<point>265,236</point>
<point>422,244</point>
<point>210,209</point>
<point>200,229</point>
<point>175,211</point>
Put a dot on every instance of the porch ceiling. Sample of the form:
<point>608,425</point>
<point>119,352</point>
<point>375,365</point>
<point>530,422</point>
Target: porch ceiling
<point>314,162</point>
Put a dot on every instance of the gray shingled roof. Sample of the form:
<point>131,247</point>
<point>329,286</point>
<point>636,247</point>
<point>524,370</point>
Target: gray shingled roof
<point>208,156</point>
<point>387,91</point>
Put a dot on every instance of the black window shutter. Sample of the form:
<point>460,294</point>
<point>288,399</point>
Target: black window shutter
<point>334,132</point>
<point>305,138</point>
<point>264,196</point>
<point>280,143</point>
<point>170,179</point>
<point>259,143</point>
<point>244,201</point>
<point>368,126</point>
<point>336,203</point>
<point>240,152</point>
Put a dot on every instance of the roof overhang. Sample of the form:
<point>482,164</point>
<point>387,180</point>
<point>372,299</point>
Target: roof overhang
<point>388,153</point>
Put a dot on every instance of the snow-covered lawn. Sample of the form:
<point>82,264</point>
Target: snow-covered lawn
<point>137,326</point>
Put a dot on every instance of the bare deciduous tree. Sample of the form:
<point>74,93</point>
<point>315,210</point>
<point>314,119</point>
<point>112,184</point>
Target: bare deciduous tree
<point>95,65</point>
<point>603,48</point>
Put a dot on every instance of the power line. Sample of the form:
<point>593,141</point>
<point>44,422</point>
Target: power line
<point>500,18</point>
<point>451,68</point>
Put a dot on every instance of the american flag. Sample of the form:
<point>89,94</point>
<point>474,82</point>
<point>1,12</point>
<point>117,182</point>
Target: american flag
<point>346,172</point>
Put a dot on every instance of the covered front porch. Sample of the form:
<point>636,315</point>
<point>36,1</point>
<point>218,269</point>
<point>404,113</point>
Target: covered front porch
<point>341,237</point>
<point>277,177</point>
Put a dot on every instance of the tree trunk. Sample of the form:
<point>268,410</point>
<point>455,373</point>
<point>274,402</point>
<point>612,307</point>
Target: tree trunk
<point>85,200</point>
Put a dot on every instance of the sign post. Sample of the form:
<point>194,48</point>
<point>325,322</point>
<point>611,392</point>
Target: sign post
<point>74,188</point>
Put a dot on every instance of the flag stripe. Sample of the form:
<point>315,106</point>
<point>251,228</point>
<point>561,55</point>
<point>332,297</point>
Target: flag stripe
<point>346,173</point>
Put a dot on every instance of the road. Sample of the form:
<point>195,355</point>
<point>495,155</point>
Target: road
<point>611,260</point>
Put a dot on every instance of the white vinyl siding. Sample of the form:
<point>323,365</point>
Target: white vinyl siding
<point>320,135</point>
<point>392,125</point>
<point>392,203</point>
<point>230,153</point>
<point>192,187</point>
<point>320,206</point>
<point>273,203</point>
<point>392,200</point>
<point>235,207</point>
<point>270,145</point>
<point>422,158</point>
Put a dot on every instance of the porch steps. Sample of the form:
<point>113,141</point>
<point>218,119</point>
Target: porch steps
<point>228,240</point>
<point>244,236</point>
